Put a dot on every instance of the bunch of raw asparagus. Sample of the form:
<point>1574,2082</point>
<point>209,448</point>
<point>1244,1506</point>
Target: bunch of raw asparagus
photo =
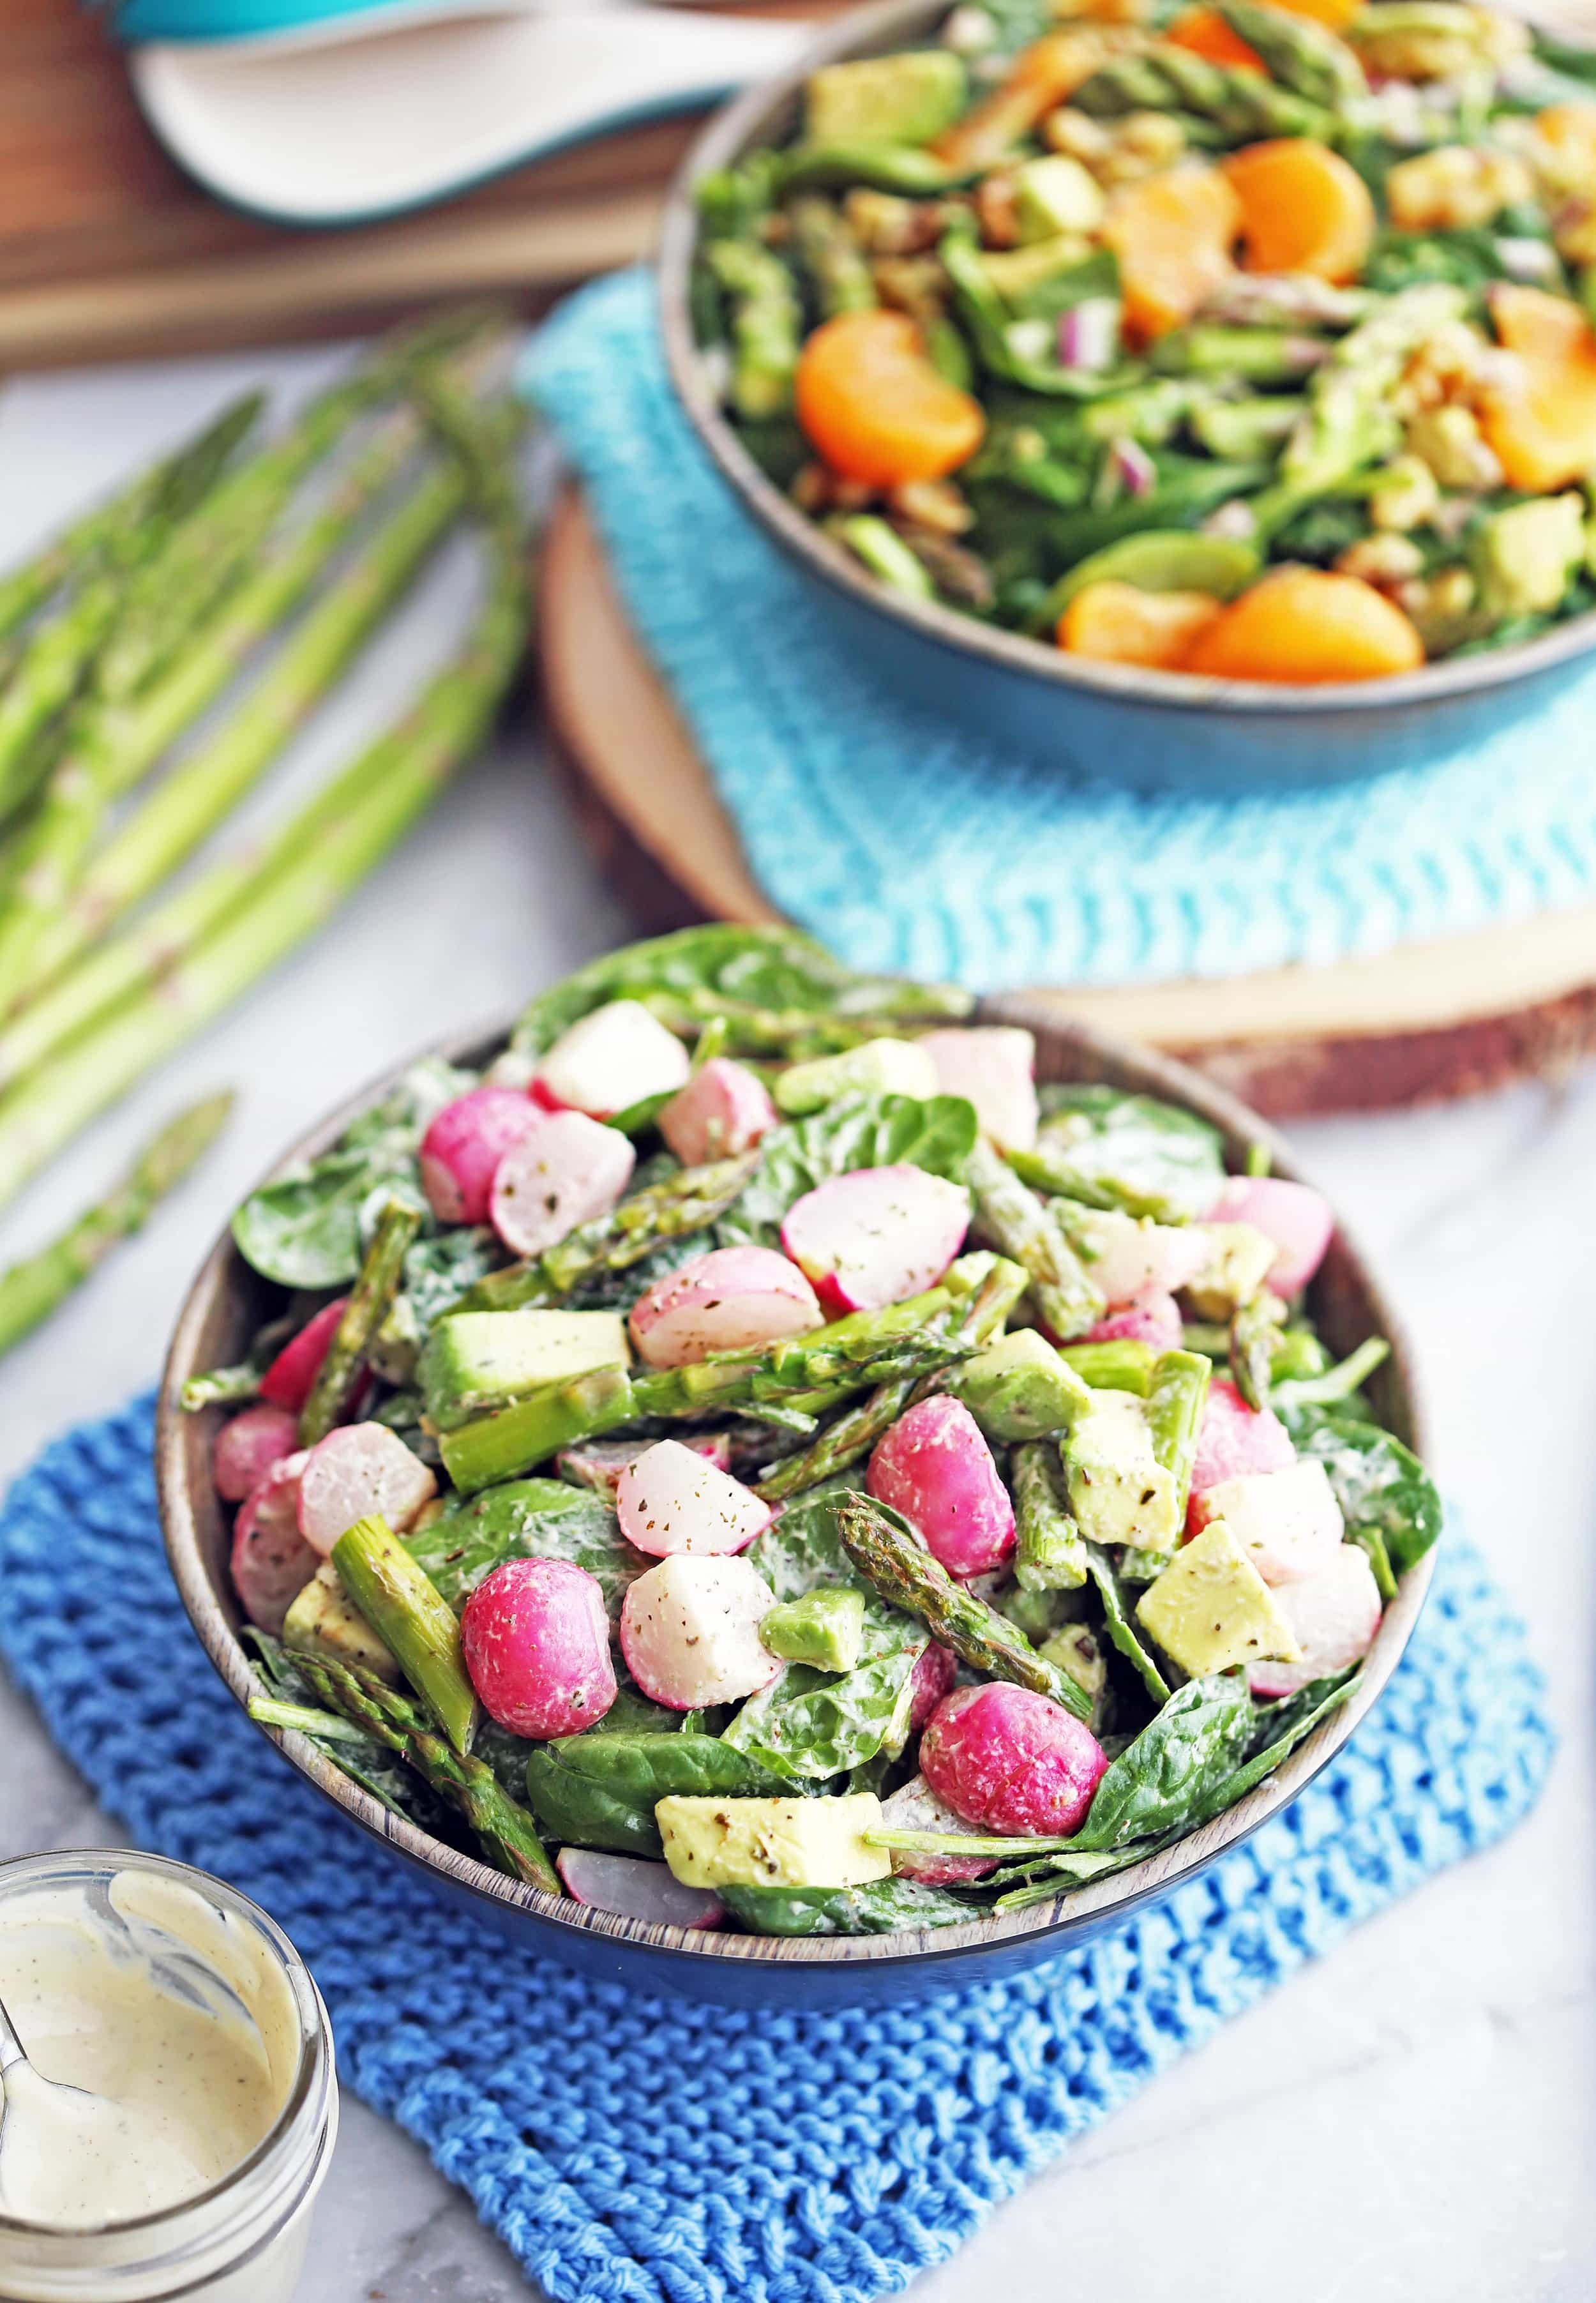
<point>234,585</point>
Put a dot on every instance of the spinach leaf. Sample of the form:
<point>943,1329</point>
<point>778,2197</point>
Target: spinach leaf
<point>631,1714</point>
<point>883,1908</point>
<point>440,1268</point>
<point>599,1791</point>
<point>527,1519</point>
<point>855,1131</point>
<point>1380,1485</point>
<point>1127,1151</point>
<point>1286,1725</point>
<point>810,1724</point>
<point>1179,1758</point>
<point>1116,1623</point>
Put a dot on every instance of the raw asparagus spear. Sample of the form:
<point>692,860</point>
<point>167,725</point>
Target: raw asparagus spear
<point>1050,1554</point>
<point>1305,55</point>
<point>30,1291</point>
<point>767,324</point>
<point>904,1572</point>
<point>1176,1394</point>
<point>1012,1215</point>
<point>363,1314</point>
<point>831,257</point>
<point>793,1034</point>
<point>1254,1338</point>
<point>1241,104</point>
<point>413,1620</point>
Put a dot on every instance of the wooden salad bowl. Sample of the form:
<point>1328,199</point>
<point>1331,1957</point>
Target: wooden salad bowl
<point>228,1302</point>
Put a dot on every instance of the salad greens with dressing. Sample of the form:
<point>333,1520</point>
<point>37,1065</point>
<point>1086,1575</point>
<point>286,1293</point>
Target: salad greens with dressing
<point>1245,339</point>
<point>748,1458</point>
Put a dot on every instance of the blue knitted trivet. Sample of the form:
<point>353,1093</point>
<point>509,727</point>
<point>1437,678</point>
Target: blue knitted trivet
<point>650,2148</point>
<point>904,846</point>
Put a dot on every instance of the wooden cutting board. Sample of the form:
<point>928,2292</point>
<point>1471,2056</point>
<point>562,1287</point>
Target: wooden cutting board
<point>1425,1022</point>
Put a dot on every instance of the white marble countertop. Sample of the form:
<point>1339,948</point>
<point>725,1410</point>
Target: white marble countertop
<point>1411,2120</point>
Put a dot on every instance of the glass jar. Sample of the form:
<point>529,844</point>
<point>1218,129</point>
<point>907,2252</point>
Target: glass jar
<point>244,2240</point>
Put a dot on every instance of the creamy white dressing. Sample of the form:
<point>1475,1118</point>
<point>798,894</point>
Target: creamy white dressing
<point>173,2018</point>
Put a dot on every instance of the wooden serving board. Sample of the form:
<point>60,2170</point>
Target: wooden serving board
<point>1424,1022</point>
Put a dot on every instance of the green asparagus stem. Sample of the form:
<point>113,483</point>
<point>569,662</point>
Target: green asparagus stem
<point>1305,55</point>
<point>1176,1395</point>
<point>1250,1344</point>
<point>1336,1383</point>
<point>793,1035</point>
<point>1241,105</point>
<point>1011,1215</point>
<point>30,1291</point>
<point>507,1832</point>
<point>413,1620</point>
<point>1050,1554</point>
<point>1121,1364</point>
<point>268,1712</point>
<point>75,551</point>
<point>767,324</point>
<point>363,1314</point>
<point>831,257</point>
<point>905,1573</point>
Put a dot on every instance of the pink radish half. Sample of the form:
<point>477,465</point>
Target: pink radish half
<point>358,1471</point>
<point>637,1890</point>
<point>535,1641</point>
<point>247,1448</point>
<point>1333,1615</point>
<point>935,1467</point>
<point>271,1563</point>
<point>1298,1220</point>
<point>1288,1522</point>
<point>1011,1761</point>
<point>289,1381</point>
<point>690,1630</point>
<point>598,1463</point>
<point>611,1059</point>
<point>1131,1260</point>
<point>464,1145</point>
<point>993,1066</point>
<point>932,1677</point>
<point>562,1172</point>
<point>1155,1321</point>
<point>1233,1439</point>
<point>671,1501</point>
<point>723,1110</point>
<point>914,1806</point>
<point>731,1299</point>
<point>877,1235</point>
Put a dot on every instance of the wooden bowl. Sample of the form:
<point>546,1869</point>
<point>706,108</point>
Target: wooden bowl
<point>227,1302</point>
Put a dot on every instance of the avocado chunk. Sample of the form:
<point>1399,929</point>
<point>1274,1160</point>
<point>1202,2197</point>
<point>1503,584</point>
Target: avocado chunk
<point>323,1620</point>
<point>1524,558</point>
<point>826,1628</point>
<point>898,99</point>
<point>772,1843</point>
<point>1019,1388</point>
<point>876,1067</point>
<point>1211,1609</point>
<point>1118,1490</point>
<point>1240,1258</point>
<point>1054,195</point>
<point>1074,1650</point>
<point>482,1359</point>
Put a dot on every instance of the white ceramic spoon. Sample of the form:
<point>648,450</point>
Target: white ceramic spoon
<point>365,116</point>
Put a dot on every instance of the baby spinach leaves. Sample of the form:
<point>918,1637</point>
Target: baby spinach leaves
<point>937,1133</point>
<point>1381,1487</point>
<point>881,1908</point>
<point>599,1791</point>
<point>527,1519</point>
<point>1131,1152</point>
<point>1182,1755</point>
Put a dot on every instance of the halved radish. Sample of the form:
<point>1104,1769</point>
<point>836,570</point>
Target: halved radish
<point>598,1463</point>
<point>723,1109</point>
<point>358,1471</point>
<point>536,1639</point>
<point>564,1171</point>
<point>636,1889</point>
<point>935,1467</point>
<point>1299,1220</point>
<point>271,1563</point>
<point>874,1236</point>
<point>611,1059</point>
<point>934,1676</point>
<point>914,1806</point>
<point>247,1448</point>
<point>671,1501</point>
<point>689,1631</point>
<point>1130,1260</point>
<point>731,1299</point>
<point>464,1145</point>
<point>1233,1439</point>
<point>1008,1760</point>
<point>1155,1321</point>
<point>1333,1615</point>
<point>290,1379</point>
<point>994,1068</point>
<point>1288,1523</point>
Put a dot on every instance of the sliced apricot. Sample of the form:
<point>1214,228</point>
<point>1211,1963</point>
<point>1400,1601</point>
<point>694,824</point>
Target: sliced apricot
<point>1568,133</point>
<point>1303,209</point>
<point>1204,31</point>
<point>1042,77</point>
<point>1541,422</point>
<point>1299,626</point>
<point>1116,623</point>
<point>1334,14</point>
<point>875,409</point>
<point>1172,235</point>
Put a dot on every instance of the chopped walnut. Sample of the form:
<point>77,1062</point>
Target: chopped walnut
<point>1444,606</point>
<point>1454,187</point>
<point>1386,561</point>
<point>994,210</point>
<point>884,224</point>
<point>816,489</point>
<point>1449,440</point>
<point>1404,495</point>
<point>933,504</point>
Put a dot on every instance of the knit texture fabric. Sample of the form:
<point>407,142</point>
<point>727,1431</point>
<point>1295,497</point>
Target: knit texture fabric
<point>905,847</point>
<point>850,2151</point>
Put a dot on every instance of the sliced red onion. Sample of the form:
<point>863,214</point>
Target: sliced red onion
<point>1089,333</point>
<point>1305,352</point>
<point>1134,469</point>
<point>1235,520</point>
<point>1526,259</point>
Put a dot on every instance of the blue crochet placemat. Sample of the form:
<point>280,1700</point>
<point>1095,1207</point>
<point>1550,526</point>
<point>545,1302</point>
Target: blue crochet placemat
<point>904,846</point>
<point>850,2151</point>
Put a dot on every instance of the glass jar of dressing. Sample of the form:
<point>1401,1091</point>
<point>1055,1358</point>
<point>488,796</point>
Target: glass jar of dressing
<point>191,2020</point>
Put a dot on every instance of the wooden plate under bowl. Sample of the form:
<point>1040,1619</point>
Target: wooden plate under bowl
<point>1418,1024</point>
<point>227,1302</point>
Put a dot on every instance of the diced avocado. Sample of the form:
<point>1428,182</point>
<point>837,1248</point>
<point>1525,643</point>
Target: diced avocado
<point>323,1620</point>
<point>1054,195</point>
<point>482,1359</point>
<point>826,1628</point>
<point>1239,1261</point>
<point>772,1843</point>
<point>1118,1490</point>
<point>1211,1607</point>
<point>1524,558</point>
<point>898,99</point>
<point>877,1067</point>
<point>1016,272</point>
<point>1021,1390</point>
<point>1076,1653</point>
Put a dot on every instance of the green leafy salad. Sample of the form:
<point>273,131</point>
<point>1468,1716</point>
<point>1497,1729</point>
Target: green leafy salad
<point>750,1458</point>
